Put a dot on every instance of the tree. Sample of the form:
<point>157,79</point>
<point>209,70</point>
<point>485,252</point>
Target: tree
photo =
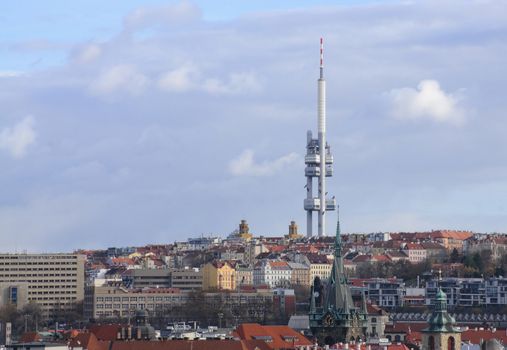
<point>455,258</point>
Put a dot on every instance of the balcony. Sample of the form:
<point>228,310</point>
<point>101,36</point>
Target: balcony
<point>312,159</point>
<point>312,204</point>
<point>312,171</point>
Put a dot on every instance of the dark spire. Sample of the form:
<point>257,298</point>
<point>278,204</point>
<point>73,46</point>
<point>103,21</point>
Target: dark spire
<point>338,238</point>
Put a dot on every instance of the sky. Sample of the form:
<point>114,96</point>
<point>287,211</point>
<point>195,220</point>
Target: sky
<point>135,122</point>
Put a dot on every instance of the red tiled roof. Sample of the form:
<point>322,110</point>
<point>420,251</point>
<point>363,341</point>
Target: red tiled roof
<point>30,337</point>
<point>475,336</point>
<point>280,336</point>
<point>106,331</point>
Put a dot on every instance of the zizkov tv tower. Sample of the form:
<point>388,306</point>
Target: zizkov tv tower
<point>319,163</point>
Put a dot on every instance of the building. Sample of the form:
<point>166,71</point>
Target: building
<point>300,274</point>
<point>186,279</point>
<point>415,252</point>
<point>320,266</point>
<point>118,301</point>
<point>459,291</point>
<point>14,294</point>
<point>218,275</point>
<point>442,332</point>
<point>272,273</point>
<point>293,232</point>
<point>54,281</point>
<point>141,278</point>
<point>333,315</point>
<point>387,293</point>
<point>244,275</point>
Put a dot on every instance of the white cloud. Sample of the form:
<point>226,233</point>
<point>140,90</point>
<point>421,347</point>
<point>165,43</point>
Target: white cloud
<point>189,78</point>
<point>245,164</point>
<point>179,80</point>
<point>88,53</point>
<point>428,101</point>
<point>16,140</point>
<point>173,14</point>
<point>10,74</point>
<point>237,83</point>
<point>119,78</point>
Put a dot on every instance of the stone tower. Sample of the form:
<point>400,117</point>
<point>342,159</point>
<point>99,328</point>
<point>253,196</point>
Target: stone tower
<point>442,333</point>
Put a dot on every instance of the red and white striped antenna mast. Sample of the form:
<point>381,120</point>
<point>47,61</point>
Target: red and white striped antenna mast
<point>321,57</point>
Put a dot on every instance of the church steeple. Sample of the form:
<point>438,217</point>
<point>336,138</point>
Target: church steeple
<point>442,331</point>
<point>338,238</point>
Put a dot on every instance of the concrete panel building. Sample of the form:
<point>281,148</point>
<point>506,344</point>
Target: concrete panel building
<point>54,281</point>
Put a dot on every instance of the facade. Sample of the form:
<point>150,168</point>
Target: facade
<point>272,273</point>
<point>14,294</point>
<point>300,274</point>
<point>320,266</point>
<point>141,278</point>
<point>218,275</point>
<point>415,252</point>
<point>461,291</point>
<point>244,275</point>
<point>117,301</point>
<point>388,293</point>
<point>186,279</point>
<point>54,281</point>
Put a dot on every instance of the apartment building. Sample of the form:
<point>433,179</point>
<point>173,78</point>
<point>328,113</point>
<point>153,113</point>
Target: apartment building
<point>54,281</point>
<point>218,275</point>
<point>386,293</point>
<point>118,301</point>
<point>459,291</point>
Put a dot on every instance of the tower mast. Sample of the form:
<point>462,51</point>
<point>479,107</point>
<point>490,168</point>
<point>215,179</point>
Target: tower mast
<point>318,161</point>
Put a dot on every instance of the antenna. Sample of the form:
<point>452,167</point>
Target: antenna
<point>321,58</point>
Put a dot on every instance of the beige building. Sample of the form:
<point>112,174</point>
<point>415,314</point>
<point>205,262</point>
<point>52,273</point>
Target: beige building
<point>117,301</point>
<point>54,281</point>
<point>14,294</point>
<point>186,279</point>
<point>300,274</point>
<point>244,276</point>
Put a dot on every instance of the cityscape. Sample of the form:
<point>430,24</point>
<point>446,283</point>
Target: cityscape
<point>106,244</point>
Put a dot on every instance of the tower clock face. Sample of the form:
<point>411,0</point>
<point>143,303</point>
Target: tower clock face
<point>328,320</point>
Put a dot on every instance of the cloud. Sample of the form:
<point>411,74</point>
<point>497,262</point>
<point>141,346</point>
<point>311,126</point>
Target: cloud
<point>428,101</point>
<point>237,83</point>
<point>179,80</point>
<point>120,78</point>
<point>245,164</point>
<point>170,15</point>
<point>189,78</point>
<point>87,53</point>
<point>16,140</point>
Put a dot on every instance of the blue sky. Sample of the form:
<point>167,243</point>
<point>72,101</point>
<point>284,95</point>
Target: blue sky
<point>129,122</point>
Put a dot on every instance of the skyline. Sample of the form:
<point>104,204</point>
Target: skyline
<point>157,121</point>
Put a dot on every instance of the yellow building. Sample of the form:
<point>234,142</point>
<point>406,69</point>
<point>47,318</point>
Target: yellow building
<point>293,232</point>
<point>244,231</point>
<point>218,275</point>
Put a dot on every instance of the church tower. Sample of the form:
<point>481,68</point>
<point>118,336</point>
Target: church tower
<point>442,333</point>
<point>333,316</point>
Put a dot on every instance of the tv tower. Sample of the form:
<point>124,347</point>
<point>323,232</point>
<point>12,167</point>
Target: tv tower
<point>319,162</point>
